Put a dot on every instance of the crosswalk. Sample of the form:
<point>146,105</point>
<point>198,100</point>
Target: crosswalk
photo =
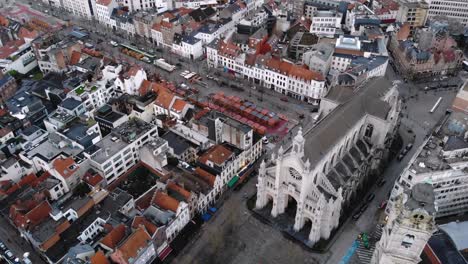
<point>365,254</point>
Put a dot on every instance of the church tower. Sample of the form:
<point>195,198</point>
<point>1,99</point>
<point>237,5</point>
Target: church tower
<point>298,144</point>
<point>409,227</point>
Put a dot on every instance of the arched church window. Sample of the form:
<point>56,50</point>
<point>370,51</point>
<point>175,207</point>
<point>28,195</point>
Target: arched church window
<point>295,174</point>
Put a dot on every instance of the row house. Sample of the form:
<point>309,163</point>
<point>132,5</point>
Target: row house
<point>278,75</point>
<point>169,104</point>
<point>130,81</point>
<point>187,46</point>
<point>54,52</point>
<point>164,31</point>
<point>104,10</point>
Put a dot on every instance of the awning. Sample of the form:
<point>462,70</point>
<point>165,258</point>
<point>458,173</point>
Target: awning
<point>165,252</point>
<point>233,181</point>
<point>206,217</point>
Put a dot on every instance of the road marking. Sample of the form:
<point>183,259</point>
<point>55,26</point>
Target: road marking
<point>347,257</point>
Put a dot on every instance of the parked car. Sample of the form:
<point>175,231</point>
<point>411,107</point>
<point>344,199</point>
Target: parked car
<point>400,157</point>
<point>9,254</point>
<point>370,197</point>
<point>357,215</point>
<point>113,43</point>
<point>409,146</point>
<point>363,208</point>
<point>2,246</point>
<point>381,183</point>
<point>284,99</point>
<point>178,64</point>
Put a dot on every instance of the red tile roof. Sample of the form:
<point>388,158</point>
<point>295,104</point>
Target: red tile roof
<point>104,2</point>
<point>403,32</point>
<point>164,99</point>
<point>164,201</point>
<point>290,69</point>
<point>4,21</point>
<point>26,33</point>
<point>228,49</point>
<point>32,217</point>
<point>205,176</point>
<point>138,240</point>
<point>65,167</point>
<point>9,48</point>
<point>178,105</point>
<point>75,57</point>
<point>217,154</point>
<point>4,131</point>
<point>113,238</point>
<point>180,190</point>
<point>92,179</point>
<point>99,258</point>
<point>142,221</point>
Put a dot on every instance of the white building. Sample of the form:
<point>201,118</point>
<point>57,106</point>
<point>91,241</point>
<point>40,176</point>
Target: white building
<point>104,10</point>
<point>187,46</point>
<point>138,5</point>
<point>12,170</point>
<point>22,60</point>
<point>325,23</point>
<point>130,81</point>
<point>452,9</point>
<point>322,171</point>
<point>191,4</point>
<point>409,227</point>
<point>119,151</point>
<point>281,76</point>
<point>83,8</point>
<point>440,161</point>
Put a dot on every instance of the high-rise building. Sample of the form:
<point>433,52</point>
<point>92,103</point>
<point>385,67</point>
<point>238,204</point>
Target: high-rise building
<point>452,9</point>
<point>409,227</point>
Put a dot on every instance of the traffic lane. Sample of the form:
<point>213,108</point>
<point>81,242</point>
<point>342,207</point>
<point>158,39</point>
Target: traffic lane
<point>18,246</point>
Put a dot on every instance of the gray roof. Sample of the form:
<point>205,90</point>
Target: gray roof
<point>70,103</point>
<point>458,232</point>
<point>176,142</point>
<point>333,127</point>
<point>455,142</point>
<point>421,196</point>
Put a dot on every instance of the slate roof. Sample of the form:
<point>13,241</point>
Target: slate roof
<point>335,126</point>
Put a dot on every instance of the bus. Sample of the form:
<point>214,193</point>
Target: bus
<point>161,63</point>
<point>436,105</point>
<point>152,57</point>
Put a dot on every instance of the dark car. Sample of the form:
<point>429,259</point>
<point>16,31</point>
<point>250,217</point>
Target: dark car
<point>370,197</point>
<point>363,208</point>
<point>409,146</point>
<point>381,183</point>
<point>284,99</point>
<point>356,216</point>
<point>400,157</point>
<point>178,64</point>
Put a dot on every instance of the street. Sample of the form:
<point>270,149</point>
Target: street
<point>234,235</point>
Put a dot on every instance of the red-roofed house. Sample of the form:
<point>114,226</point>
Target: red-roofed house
<point>137,248</point>
<point>174,213</point>
<point>167,103</point>
<point>274,73</point>
<point>130,81</point>
<point>114,237</point>
<point>99,258</point>
<point>67,171</point>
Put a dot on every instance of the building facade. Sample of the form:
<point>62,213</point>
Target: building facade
<point>323,171</point>
<point>408,229</point>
